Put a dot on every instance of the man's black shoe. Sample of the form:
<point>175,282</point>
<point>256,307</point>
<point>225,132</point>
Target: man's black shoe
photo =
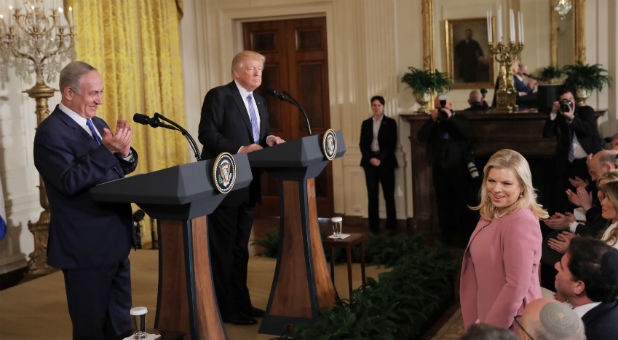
<point>256,312</point>
<point>240,319</point>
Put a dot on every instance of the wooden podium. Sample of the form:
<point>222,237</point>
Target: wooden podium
<point>179,198</point>
<point>302,282</point>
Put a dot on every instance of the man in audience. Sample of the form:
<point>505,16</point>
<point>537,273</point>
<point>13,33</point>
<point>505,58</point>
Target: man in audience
<point>578,137</point>
<point>526,99</point>
<point>477,102</point>
<point>549,319</point>
<point>588,279</point>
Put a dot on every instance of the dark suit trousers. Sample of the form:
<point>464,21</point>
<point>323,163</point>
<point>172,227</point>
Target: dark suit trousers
<point>386,176</point>
<point>99,300</point>
<point>229,228</point>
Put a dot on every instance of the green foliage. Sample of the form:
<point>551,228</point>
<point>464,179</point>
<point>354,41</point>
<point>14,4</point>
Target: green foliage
<point>421,81</point>
<point>270,243</point>
<point>586,76</point>
<point>548,73</point>
<point>398,306</point>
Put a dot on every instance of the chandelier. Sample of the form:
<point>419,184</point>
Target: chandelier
<point>562,8</point>
<point>35,39</point>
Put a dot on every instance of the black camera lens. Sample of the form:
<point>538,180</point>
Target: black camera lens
<point>565,105</point>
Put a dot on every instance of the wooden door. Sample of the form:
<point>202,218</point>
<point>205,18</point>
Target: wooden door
<point>296,61</point>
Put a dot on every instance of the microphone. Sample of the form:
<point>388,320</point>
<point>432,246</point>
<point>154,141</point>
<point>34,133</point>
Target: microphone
<point>175,126</point>
<point>287,97</point>
<point>154,122</point>
<point>531,76</point>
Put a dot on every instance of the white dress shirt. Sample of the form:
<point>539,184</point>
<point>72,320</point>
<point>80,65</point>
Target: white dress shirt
<point>583,309</point>
<point>578,150</point>
<point>375,146</point>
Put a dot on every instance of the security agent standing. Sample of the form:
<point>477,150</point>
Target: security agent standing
<point>576,128</point>
<point>450,154</point>
<point>377,144</point>
<point>90,241</point>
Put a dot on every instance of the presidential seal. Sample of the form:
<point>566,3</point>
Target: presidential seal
<point>224,172</point>
<point>329,144</point>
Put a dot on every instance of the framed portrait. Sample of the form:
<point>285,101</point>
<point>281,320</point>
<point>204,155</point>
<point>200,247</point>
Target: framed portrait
<point>469,62</point>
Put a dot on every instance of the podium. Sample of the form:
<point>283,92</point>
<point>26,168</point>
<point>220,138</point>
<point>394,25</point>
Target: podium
<point>179,198</point>
<point>302,282</point>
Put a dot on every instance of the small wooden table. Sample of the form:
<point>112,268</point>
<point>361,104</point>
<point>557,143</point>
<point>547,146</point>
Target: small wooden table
<point>347,243</point>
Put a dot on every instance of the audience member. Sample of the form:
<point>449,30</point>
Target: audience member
<point>548,319</point>
<point>588,279</point>
<point>449,149</point>
<point>378,140</point>
<point>499,274</point>
<point>477,102</point>
<point>526,98</point>
<point>608,195</point>
<point>485,331</point>
<point>578,137</point>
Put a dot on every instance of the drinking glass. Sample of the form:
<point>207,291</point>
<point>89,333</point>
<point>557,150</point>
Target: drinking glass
<point>138,319</point>
<point>337,222</point>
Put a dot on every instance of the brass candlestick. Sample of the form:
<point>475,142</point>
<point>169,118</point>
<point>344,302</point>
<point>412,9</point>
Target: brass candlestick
<point>36,41</point>
<point>505,54</point>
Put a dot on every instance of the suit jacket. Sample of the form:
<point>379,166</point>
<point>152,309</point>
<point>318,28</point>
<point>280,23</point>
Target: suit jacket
<point>448,143</point>
<point>82,232</point>
<point>527,101</point>
<point>601,322</point>
<point>497,284</point>
<point>387,140</point>
<point>225,126</point>
<point>584,126</point>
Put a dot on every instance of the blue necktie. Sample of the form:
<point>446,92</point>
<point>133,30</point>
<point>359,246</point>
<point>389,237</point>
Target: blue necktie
<point>254,123</point>
<point>94,132</point>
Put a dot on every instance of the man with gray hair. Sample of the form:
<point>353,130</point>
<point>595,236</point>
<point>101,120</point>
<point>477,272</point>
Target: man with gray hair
<point>74,150</point>
<point>549,319</point>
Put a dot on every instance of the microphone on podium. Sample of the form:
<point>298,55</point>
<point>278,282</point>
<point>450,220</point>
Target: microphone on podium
<point>156,122</point>
<point>287,97</point>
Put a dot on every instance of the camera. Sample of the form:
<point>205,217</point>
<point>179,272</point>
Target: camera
<point>442,115</point>
<point>472,170</point>
<point>483,92</point>
<point>565,105</point>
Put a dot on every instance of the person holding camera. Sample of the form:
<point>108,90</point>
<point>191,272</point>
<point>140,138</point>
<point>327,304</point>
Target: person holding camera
<point>576,129</point>
<point>447,136</point>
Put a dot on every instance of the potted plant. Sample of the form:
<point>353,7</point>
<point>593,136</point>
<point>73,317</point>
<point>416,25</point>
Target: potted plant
<point>550,75</point>
<point>582,79</point>
<point>425,83</point>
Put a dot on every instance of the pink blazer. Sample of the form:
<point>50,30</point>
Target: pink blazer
<point>499,274</point>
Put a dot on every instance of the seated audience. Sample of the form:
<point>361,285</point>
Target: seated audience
<point>588,279</point>
<point>551,320</point>
<point>499,274</point>
<point>526,98</point>
<point>477,102</point>
<point>485,331</point>
<point>608,195</point>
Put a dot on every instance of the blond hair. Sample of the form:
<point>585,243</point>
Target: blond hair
<point>610,191</point>
<point>510,159</point>
<point>610,176</point>
<point>244,55</point>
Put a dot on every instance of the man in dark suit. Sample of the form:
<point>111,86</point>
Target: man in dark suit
<point>378,140</point>
<point>90,241</point>
<point>235,120</point>
<point>455,177</point>
<point>468,52</point>
<point>576,130</point>
<point>526,98</point>
<point>588,279</point>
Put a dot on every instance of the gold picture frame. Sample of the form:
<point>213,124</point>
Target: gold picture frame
<point>468,60</point>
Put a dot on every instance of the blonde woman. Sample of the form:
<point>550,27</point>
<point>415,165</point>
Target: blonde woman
<point>608,195</point>
<point>499,274</point>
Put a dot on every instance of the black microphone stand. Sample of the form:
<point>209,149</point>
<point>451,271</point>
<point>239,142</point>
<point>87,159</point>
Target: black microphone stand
<point>184,133</point>
<point>300,108</point>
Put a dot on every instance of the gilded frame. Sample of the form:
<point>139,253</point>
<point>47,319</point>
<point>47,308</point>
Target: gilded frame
<point>579,27</point>
<point>468,72</point>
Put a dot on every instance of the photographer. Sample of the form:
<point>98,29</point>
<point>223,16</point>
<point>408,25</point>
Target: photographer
<point>447,138</point>
<point>576,130</point>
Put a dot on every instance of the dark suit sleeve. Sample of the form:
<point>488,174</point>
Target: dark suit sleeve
<point>458,127</point>
<point>585,122</point>
<point>389,142</point>
<point>426,130</point>
<point>130,165</point>
<point>70,172</point>
<point>549,129</point>
<point>365,139</point>
<point>212,123</point>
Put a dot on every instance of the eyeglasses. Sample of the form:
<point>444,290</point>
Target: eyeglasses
<point>516,319</point>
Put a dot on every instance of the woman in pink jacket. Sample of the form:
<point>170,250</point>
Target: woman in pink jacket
<point>499,274</point>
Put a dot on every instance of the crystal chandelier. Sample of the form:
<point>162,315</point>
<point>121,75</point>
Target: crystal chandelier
<point>36,40</point>
<point>562,8</point>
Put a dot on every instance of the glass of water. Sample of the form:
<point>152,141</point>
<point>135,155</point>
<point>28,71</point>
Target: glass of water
<point>138,319</point>
<point>337,222</point>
